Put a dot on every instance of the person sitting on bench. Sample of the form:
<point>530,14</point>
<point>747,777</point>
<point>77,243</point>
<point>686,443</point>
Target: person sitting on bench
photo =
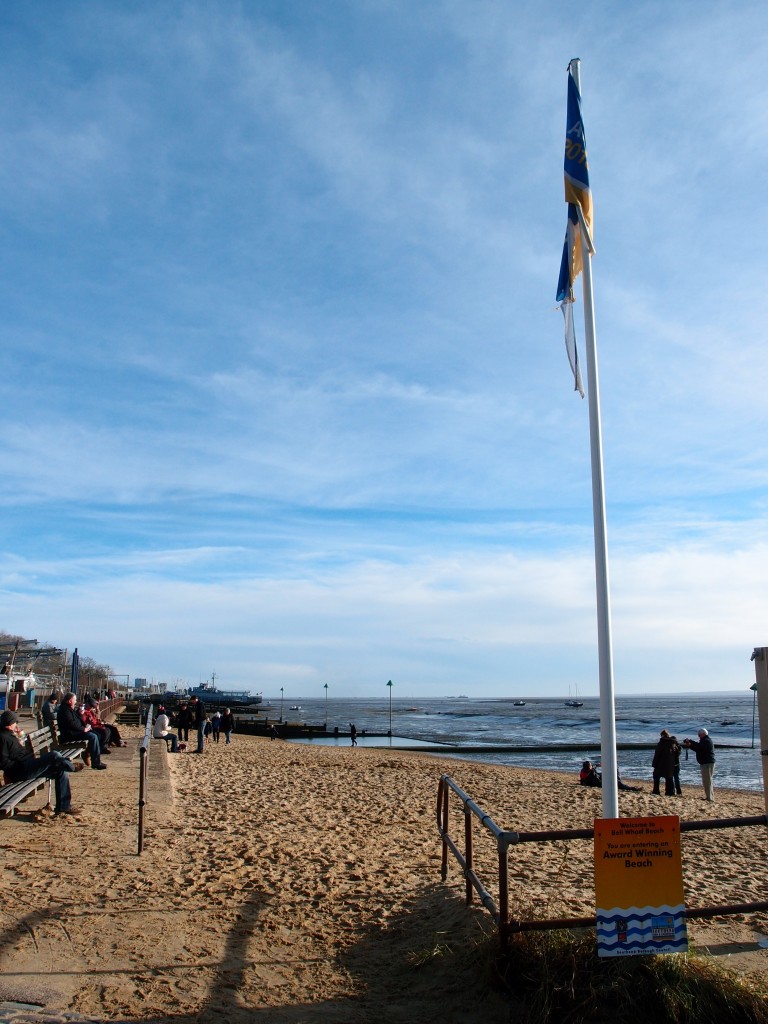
<point>72,729</point>
<point>160,731</point>
<point>19,765</point>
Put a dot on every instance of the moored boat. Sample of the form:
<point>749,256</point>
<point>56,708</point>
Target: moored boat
<point>210,694</point>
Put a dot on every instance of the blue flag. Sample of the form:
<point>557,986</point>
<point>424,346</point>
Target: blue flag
<point>577,194</point>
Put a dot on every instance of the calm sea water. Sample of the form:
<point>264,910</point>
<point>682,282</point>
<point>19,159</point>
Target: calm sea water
<point>461,721</point>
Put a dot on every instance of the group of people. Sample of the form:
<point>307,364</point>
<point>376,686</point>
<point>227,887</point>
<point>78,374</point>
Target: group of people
<point>82,724</point>
<point>75,724</point>
<point>192,716</point>
<point>666,765</point>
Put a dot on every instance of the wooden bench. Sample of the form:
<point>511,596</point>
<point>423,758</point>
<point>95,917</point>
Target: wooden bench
<point>38,742</point>
<point>69,748</point>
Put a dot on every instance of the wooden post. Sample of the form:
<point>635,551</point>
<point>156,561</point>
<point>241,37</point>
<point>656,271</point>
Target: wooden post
<point>760,658</point>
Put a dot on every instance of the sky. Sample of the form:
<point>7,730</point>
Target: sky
<point>286,391</point>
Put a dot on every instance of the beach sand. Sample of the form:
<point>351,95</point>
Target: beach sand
<point>289,883</point>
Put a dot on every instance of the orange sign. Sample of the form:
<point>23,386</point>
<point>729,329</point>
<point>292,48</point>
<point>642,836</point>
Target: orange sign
<point>639,886</point>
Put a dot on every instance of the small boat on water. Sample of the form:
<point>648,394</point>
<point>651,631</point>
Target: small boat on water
<point>574,702</point>
<point>519,704</point>
<point>295,707</point>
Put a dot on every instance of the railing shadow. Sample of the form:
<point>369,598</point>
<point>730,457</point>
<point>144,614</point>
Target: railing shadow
<point>433,959</point>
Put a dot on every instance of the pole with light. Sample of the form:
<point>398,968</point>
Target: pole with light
<point>326,706</point>
<point>389,684</point>
<point>281,703</point>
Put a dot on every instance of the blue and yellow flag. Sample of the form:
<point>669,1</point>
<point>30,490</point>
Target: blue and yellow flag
<point>577,194</point>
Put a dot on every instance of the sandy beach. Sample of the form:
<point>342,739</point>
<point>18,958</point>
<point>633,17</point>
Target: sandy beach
<point>291,883</point>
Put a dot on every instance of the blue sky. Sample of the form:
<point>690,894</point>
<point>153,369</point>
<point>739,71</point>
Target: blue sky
<point>286,395</point>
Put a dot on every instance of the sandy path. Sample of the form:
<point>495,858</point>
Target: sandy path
<point>289,883</point>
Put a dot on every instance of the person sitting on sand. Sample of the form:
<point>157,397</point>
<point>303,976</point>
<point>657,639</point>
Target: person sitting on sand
<point>589,775</point>
<point>622,784</point>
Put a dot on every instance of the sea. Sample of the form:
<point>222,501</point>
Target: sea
<point>456,722</point>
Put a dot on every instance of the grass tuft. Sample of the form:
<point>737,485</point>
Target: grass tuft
<point>558,977</point>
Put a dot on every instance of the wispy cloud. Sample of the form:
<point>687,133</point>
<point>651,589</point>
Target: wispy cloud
<point>285,385</point>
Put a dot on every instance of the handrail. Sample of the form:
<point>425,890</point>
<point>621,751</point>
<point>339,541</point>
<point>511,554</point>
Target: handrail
<point>143,760</point>
<point>505,839</point>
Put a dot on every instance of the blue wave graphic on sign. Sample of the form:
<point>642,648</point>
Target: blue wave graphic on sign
<point>622,932</point>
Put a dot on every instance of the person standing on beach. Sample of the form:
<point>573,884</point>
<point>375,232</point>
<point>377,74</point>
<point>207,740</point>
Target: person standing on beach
<point>664,765</point>
<point>216,725</point>
<point>227,724</point>
<point>705,755</point>
<point>182,721</point>
<point>353,733</point>
<point>197,709</point>
<point>676,748</point>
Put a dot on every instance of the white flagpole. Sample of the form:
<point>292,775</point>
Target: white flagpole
<point>604,643</point>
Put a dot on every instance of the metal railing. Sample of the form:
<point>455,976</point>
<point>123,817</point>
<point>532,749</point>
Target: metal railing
<point>506,839</point>
<point>143,763</point>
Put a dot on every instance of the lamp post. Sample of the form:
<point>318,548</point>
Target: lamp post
<point>389,684</point>
<point>281,703</point>
<point>326,706</point>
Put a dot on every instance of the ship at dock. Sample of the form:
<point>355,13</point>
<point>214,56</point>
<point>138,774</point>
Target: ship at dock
<point>210,694</point>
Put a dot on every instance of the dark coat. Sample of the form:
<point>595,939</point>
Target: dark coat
<point>11,751</point>
<point>70,723</point>
<point>198,713</point>
<point>705,750</point>
<point>664,757</point>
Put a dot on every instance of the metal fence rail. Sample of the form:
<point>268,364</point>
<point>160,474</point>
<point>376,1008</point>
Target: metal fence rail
<point>506,839</point>
<point>143,762</point>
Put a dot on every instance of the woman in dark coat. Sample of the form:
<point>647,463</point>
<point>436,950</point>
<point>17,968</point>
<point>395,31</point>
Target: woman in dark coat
<point>183,721</point>
<point>227,724</point>
<point>664,764</point>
